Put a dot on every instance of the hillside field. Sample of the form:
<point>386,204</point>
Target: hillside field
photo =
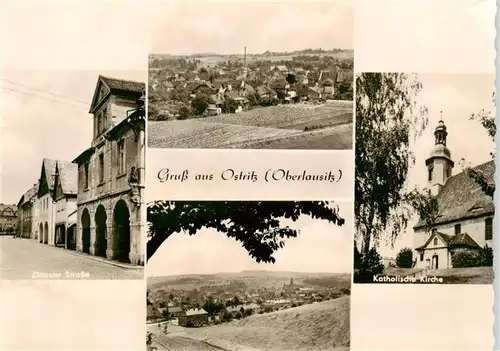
<point>320,326</point>
<point>327,126</point>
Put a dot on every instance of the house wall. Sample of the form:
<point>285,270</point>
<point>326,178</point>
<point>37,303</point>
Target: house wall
<point>115,186</point>
<point>64,206</point>
<point>474,227</point>
<point>440,249</point>
<point>46,214</point>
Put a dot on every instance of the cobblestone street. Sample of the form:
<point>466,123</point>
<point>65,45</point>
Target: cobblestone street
<point>28,259</point>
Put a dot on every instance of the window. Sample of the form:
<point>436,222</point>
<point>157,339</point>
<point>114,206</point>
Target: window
<point>99,123</point>
<point>421,257</point>
<point>101,168</point>
<point>86,176</point>
<point>121,157</point>
<point>488,229</point>
<point>435,241</point>
<point>458,229</point>
<point>429,173</point>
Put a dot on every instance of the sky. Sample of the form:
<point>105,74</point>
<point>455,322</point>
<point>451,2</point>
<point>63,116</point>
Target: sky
<point>60,53</point>
<point>39,125</point>
<point>458,96</point>
<point>226,27</point>
<point>321,247</point>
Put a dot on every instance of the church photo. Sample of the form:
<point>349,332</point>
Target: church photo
<point>435,162</point>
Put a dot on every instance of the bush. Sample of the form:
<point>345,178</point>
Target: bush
<point>486,256</point>
<point>464,258</point>
<point>404,259</point>
<point>365,268</point>
<point>468,258</point>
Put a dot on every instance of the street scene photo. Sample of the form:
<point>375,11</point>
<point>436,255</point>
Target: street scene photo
<point>424,178</point>
<point>251,75</point>
<point>263,275</point>
<point>73,175</point>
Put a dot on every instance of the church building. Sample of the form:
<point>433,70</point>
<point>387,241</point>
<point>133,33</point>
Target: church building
<point>466,212</point>
<point>111,212</point>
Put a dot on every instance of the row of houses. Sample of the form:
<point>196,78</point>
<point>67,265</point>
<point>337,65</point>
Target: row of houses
<point>8,219</point>
<point>95,203</point>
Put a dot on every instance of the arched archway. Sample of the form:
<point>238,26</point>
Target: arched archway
<point>121,232</point>
<point>101,242</point>
<point>40,233</point>
<point>71,240</point>
<point>86,231</point>
<point>46,233</point>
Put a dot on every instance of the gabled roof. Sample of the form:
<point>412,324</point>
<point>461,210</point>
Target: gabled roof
<point>461,197</point>
<point>462,239</point>
<point>28,195</point>
<point>115,85</point>
<point>49,166</point>
<point>5,207</point>
<point>68,176</point>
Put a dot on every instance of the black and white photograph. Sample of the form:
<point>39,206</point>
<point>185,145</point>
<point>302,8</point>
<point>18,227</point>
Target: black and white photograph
<point>424,178</point>
<point>251,75</point>
<point>73,174</point>
<point>239,275</point>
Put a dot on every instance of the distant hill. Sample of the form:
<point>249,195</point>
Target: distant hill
<point>252,278</point>
<point>318,326</point>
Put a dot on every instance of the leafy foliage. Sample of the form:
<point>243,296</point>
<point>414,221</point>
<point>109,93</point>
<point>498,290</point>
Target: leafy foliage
<point>487,120</point>
<point>404,258</point>
<point>366,265</point>
<point>468,258</point>
<point>255,224</point>
<point>426,206</point>
<point>387,117</point>
<point>200,103</point>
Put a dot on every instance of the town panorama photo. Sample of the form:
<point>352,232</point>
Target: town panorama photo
<point>220,81</point>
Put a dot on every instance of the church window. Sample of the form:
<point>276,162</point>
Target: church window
<point>429,174</point>
<point>421,257</point>
<point>435,241</point>
<point>458,229</point>
<point>488,229</point>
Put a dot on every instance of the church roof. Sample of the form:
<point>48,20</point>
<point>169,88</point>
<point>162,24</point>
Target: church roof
<point>461,197</point>
<point>462,239</point>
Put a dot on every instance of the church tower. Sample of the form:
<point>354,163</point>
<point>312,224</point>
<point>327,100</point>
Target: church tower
<point>439,164</point>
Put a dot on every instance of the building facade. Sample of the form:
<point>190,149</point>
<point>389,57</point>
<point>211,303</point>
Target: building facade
<point>465,211</point>
<point>65,193</point>
<point>45,207</point>
<point>111,212</point>
<point>193,318</point>
<point>8,219</point>
<point>26,213</point>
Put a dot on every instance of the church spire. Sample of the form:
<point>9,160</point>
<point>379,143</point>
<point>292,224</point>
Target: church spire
<point>439,164</point>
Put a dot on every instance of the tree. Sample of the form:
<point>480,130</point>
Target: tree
<point>166,314</point>
<point>369,265</point>
<point>200,103</point>
<point>487,120</point>
<point>404,258</point>
<point>387,117</point>
<point>255,224</point>
<point>229,106</point>
<point>184,112</point>
<point>290,78</point>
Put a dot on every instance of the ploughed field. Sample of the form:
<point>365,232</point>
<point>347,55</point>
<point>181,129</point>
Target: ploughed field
<point>300,126</point>
<point>319,326</point>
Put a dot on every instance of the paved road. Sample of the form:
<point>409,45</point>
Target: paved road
<point>28,259</point>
